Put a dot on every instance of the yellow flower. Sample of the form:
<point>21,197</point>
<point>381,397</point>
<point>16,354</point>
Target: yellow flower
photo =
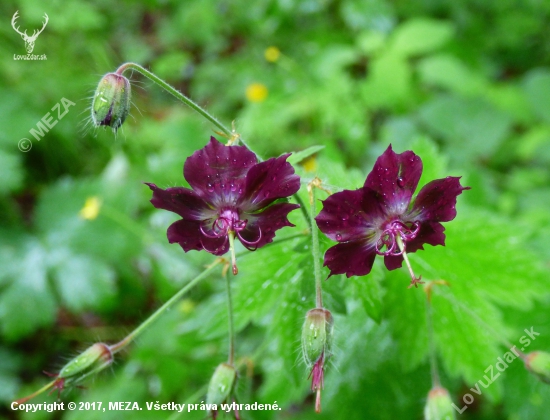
<point>272,54</point>
<point>91,208</point>
<point>310,164</point>
<point>256,92</point>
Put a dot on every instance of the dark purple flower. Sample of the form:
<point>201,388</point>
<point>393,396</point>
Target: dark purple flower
<point>380,219</point>
<point>232,195</point>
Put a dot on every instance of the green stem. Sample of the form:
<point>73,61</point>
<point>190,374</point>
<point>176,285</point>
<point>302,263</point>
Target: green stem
<point>316,253</point>
<point>431,343</point>
<point>302,206</point>
<point>231,357</point>
<point>115,348</point>
<point>180,96</point>
<point>34,394</point>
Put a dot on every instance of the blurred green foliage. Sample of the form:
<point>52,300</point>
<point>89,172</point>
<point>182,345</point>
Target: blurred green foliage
<point>466,85</point>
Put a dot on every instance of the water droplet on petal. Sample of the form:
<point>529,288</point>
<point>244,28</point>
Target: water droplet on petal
<point>400,181</point>
<point>210,187</point>
<point>232,187</point>
<point>338,237</point>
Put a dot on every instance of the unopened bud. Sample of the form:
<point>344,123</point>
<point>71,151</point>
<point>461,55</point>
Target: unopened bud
<point>93,359</point>
<point>538,363</point>
<point>221,384</point>
<point>317,335</point>
<point>111,104</point>
<point>439,405</point>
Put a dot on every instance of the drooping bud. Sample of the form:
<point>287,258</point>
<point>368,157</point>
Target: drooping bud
<point>439,405</point>
<point>111,104</point>
<point>221,384</point>
<point>538,363</point>
<point>93,359</point>
<point>317,333</point>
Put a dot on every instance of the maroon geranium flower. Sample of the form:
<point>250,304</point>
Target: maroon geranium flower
<point>380,219</point>
<point>232,195</point>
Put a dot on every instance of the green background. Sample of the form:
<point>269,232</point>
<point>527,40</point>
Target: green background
<point>466,85</point>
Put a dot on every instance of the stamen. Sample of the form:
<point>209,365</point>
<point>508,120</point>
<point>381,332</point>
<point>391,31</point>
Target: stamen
<point>250,243</point>
<point>415,280</point>
<point>222,229</point>
<point>231,235</point>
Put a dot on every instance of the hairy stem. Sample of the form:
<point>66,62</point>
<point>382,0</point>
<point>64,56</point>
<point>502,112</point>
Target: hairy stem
<point>431,343</point>
<point>316,253</point>
<point>180,96</point>
<point>231,357</point>
<point>145,324</point>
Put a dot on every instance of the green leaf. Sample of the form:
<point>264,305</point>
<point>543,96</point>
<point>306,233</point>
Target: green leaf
<point>470,126</point>
<point>537,88</point>
<point>27,302</point>
<point>299,156</point>
<point>83,282</point>
<point>482,267</point>
<point>420,36</point>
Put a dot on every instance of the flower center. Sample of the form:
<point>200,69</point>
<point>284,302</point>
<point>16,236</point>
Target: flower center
<point>387,243</point>
<point>228,220</point>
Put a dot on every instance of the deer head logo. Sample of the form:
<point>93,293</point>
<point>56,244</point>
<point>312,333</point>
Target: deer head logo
<point>29,40</point>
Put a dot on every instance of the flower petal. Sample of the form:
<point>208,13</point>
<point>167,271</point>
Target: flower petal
<point>350,258</point>
<point>187,233</point>
<point>267,181</point>
<point>350,215</point>
<point>436,201</point>
<point>182,201</point>
<point>395,177</point>
<point>260,228</point>
<point>217,173</point>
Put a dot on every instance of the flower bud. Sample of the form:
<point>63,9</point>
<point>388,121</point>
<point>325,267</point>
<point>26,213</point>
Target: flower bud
<point>111,104</point>
<point>221,384</point>
<point>317,347</point>
<point>538,363</point>
<point>317,335</point>
<point>439,405</point>
<point>91,360</point>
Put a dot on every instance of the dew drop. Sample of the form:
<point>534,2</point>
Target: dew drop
<point>232,187</point>
<point>273,178</point>
<point>210,187</point>
<point>338,237</point>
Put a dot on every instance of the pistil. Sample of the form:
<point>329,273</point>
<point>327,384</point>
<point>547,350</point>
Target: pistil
<point>415,280</point>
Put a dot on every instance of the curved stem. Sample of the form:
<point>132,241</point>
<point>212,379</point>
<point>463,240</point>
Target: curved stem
<point>180,96</point>
<point>231,357</point>
<point>34,394</point>
<point>145,324</point>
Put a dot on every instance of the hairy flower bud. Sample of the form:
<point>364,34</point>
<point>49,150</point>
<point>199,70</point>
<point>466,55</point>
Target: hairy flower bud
<point>317,333</point>
<point>439,405</point>
<point>93,359</point>
<point>221,384</point>
<point>538,363</point>
<point>111,104</point>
